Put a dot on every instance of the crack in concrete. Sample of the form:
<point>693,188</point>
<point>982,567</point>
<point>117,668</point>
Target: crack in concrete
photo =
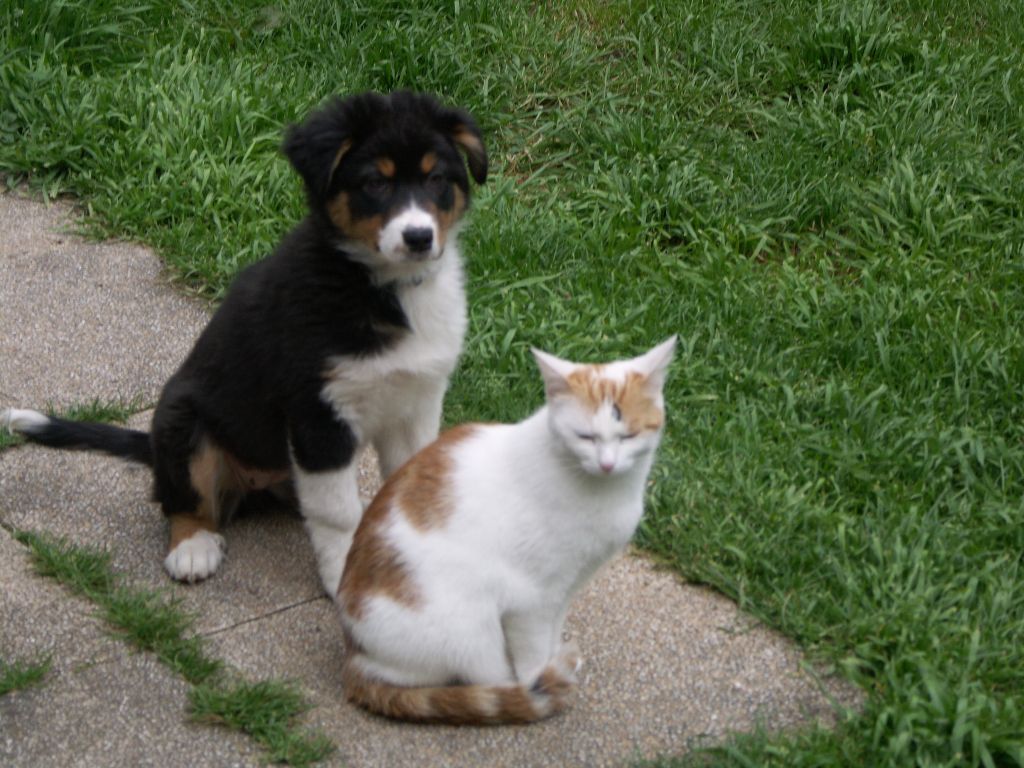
<point>251,619</point>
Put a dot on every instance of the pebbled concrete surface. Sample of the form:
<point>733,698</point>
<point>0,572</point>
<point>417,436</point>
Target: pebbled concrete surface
<point>668,666</point>
<point>100,704</point>
<point>82,320</point>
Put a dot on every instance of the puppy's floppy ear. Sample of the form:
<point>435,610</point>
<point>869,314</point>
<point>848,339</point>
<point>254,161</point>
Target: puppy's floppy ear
<point>460,127</point>
<point>317,145</point>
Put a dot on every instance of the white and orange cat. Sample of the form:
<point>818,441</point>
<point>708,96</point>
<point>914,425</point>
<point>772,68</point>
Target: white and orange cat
<point>461,572</point>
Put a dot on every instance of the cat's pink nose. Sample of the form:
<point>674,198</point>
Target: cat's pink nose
<point>607,466</point>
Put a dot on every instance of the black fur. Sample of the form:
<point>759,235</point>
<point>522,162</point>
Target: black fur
<point>252,382</point>
<point>128,444</point>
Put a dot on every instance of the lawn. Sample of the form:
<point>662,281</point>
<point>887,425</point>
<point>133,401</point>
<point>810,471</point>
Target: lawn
<point>824,200</point>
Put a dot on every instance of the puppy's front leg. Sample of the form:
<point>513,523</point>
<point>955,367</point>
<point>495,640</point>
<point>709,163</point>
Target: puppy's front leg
<point>331,508</point>
<point>411,428</point>
<point>326,482</point>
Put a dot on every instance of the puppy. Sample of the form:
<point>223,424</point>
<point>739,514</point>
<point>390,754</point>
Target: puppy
<point>345,336</point>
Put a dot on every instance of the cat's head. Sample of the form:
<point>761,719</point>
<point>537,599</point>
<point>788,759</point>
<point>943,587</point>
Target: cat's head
<point>608,416</point>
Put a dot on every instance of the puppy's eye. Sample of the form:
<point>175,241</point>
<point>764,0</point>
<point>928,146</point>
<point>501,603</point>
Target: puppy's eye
<point>436,183</point>
<point>377,188</point>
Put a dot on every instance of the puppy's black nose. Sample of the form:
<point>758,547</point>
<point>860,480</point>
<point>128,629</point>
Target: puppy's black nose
<point>418,239</point>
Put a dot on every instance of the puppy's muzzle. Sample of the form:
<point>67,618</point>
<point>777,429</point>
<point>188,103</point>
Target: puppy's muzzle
<point>418,241</point>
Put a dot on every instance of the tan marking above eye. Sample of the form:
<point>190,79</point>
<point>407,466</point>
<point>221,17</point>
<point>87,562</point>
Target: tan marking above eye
<point>428,163</point>
<point>386,166</point>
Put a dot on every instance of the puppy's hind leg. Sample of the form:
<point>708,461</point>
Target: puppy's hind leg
<point>196,549</point>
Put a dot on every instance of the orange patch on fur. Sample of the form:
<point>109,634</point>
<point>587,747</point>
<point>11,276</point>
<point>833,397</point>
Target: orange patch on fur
<point>373,566</point>
<point>422,485</point>
<point>362,230</point>
<point>638,408</point>
<point>457,704</point>
<point>639,411</point>
<point>419,489</point>
<point>428,162</point>
<point>386,166</point>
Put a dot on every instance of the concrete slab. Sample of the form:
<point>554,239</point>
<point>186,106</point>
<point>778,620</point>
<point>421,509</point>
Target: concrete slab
<point>82,320</point>
<point>99,704</point>
<point>39,619</point>
<point>125,713</point>
<point>101,502</point>
<point>668,666</point>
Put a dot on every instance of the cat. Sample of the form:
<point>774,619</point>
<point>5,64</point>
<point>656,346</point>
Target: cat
<point>461,572</point>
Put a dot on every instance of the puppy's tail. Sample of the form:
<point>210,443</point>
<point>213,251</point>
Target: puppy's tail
<point>54,432</point>
<point>466,704</point>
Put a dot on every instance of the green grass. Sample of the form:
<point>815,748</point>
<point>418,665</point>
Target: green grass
<point>264,710</point>
<point>823,199</point>
<point>152,622</point>
<point>20,675</point>
<point>114,411</point>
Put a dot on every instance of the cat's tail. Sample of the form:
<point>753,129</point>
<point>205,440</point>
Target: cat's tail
<point>467,704</point>
<point>55,432</point>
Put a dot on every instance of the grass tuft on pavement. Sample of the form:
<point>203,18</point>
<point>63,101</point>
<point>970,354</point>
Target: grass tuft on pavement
<point>265,710</point>
<point>150,621</point>
<point>20,675</point>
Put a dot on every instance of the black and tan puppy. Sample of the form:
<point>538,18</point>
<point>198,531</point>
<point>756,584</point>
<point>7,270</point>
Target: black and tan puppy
<point>345,336</point>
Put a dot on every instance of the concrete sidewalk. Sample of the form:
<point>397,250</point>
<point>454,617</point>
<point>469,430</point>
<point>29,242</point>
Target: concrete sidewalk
<point>668,666</point>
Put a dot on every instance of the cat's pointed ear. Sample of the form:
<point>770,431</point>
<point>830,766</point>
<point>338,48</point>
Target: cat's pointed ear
<point>554,371</point>
<point>654,363</point>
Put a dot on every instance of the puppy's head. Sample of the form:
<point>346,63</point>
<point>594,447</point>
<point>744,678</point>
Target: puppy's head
<point>386,174</point>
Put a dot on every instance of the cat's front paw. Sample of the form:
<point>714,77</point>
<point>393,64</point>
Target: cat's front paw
<point>568,661</point>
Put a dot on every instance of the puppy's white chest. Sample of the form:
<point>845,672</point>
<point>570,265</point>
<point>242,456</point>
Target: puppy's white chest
<point>371,392</point>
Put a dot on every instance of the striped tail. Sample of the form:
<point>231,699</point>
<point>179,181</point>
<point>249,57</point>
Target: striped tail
<point>466,704</point>
<point>55,432</point>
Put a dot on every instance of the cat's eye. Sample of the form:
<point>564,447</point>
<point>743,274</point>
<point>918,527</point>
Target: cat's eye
<point>630,436</point>
<point>586,436</point>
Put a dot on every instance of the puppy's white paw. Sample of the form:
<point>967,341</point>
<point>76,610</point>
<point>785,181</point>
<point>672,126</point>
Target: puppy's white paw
<point>196,558</point>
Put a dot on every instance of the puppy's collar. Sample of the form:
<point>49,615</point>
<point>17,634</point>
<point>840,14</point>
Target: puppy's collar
<point>427,272</point>
<point>416,280</point>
